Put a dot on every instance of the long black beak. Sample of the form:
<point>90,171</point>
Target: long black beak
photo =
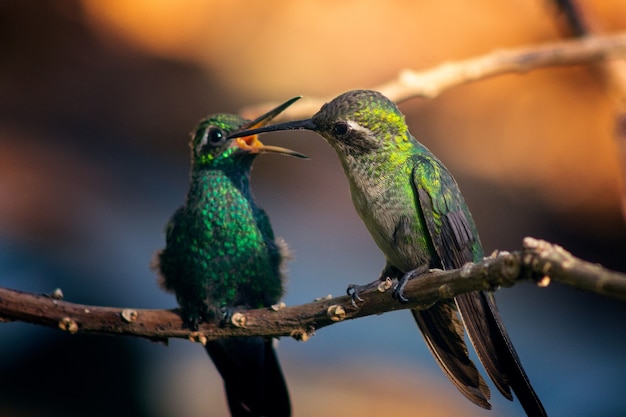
<point>251,143</point>
<point>267,117</point>
<point>306,124</point>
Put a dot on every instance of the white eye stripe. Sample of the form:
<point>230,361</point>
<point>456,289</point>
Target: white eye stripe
<point>366,135</point>
<point>356,137</point>
<point>355,127</point>
<point>212,137</point>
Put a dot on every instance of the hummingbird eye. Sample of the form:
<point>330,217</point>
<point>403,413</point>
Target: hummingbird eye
<point>340,128</point>
<point>215,136</point>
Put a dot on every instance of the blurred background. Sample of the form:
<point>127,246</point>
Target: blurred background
<point>96,102</point>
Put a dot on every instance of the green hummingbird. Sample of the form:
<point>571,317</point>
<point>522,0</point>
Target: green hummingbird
<point>414,210</point>
<point>221,255</point>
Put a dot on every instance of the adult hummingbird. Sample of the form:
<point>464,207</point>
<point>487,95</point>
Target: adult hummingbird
<point>221,255</point>
<point>414,210</point>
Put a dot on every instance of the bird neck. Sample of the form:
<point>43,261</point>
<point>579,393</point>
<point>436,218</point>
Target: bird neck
<point>376,164</point>
<point>211,183</point>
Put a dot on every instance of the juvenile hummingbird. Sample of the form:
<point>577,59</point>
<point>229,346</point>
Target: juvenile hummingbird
<point>414,210</point>
<point>221,255</point>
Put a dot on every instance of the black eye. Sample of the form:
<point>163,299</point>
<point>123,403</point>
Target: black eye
<point>340,128</point>
<point>215,135</point>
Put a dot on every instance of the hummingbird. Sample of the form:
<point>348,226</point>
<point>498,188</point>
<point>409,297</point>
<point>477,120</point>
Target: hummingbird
<point>221,255</point>
<point>414,210</point>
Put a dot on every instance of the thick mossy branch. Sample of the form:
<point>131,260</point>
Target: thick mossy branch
<point>537,261</point>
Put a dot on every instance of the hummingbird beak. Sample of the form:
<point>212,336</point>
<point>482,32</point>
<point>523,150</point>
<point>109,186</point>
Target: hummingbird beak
<point>306,124</point>
<point>254,145</point>
<point>267,117</point>
<point>251,142</point>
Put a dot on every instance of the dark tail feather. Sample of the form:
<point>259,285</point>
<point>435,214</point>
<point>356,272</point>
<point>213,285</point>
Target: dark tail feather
<point>443,331</point>
<point>495,350</point>
<point>253,380</point>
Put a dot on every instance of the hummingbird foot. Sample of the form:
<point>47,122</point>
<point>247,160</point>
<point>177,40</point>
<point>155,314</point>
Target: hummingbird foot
<point>194,315</point>
<point>233,316</point>
<point>193,320</point>
<point>354,291</point>
<point>398,290</point>
<point>226,315</point>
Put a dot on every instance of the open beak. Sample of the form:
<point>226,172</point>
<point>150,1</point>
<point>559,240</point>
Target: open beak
<point>306,124</point>
<point>251,142</point>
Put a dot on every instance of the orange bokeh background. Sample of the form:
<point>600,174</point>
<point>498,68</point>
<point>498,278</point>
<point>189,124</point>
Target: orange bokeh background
<point>97,101</point>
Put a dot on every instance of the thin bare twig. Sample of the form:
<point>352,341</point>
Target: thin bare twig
<point>431,83</point>
<point>581,23</point>
<point>536,261</point>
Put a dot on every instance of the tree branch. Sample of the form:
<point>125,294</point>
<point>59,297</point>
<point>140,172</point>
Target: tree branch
<point>431,83</point>
<point>581,22</point>
<point>537,261</point>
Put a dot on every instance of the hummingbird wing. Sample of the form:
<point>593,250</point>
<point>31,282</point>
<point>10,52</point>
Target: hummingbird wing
<point>455,240</point>
<point>162,268</point>
<point>443,332</point>
<point>254,382</point>
<point>277,248</point>
<point>440,324</point>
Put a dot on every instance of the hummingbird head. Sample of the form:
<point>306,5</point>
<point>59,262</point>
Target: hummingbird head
<point>211,144</point>
<point>356,122</point>
<point>361,121</point>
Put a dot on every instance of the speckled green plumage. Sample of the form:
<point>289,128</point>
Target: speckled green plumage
<point>221,251</point>
<point>414,210</point>
<point>220,255</point>
<point>416,213</point>
<point>385,165</point>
